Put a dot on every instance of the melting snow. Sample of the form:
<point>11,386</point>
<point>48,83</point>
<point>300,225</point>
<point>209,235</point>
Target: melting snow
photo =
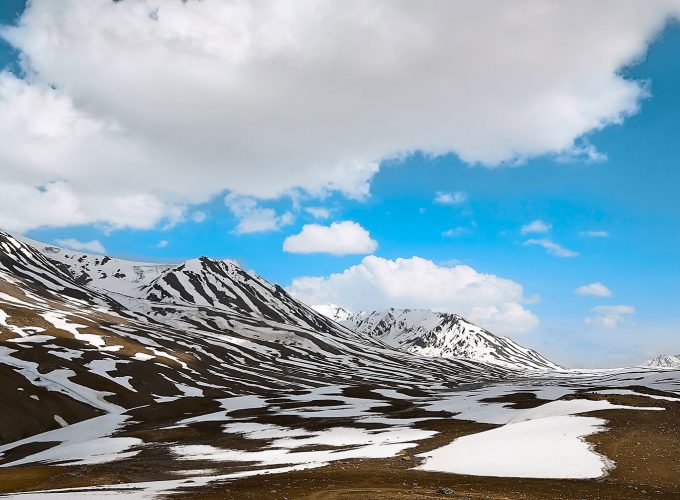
<point>364,444</point>
<point>542,442</point>
<point>86,442</point>
<point>550,447</point>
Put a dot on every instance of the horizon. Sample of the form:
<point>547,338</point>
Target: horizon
<point>542,207</point>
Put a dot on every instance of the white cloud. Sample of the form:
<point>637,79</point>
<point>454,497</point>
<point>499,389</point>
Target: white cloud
<point>93,246</point>
<point>595,234</point>
<point>253,218</point>
<point>340,238</point>
<point>162,244</point>
<point>377,283</point>
<point>199,216</point>
<point>537,226</point>
<point>552,248</point>
<point>455,231</point>
<point>609,316</point>
<point>454,198</point>
<point>98,111</point>
<point>596,289</point>
<point>318,212</point>
<point>584,152</point>
<point>23,207</point>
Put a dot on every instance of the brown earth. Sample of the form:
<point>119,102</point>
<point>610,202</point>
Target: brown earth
<point>643,444</point>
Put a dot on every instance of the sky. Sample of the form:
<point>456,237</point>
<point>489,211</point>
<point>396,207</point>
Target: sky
<point>519,168</point>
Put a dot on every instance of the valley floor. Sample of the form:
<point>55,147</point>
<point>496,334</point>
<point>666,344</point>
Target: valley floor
<point>365,442</point>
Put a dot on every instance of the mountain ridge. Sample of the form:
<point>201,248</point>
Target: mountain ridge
<point>436,334</point>
<point>221,284</point>
<point>69,353</point>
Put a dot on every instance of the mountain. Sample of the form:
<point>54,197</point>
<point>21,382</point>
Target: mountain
<point>664,361</point>
<point>99,272</point>
<point>177,343</point>
<point>155,380</point>
<point>439,335</point>
<point>219,284</point>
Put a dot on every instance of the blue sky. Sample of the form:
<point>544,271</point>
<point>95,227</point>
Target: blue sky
<point>628,189</point>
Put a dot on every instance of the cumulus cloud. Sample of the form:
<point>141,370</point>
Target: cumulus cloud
<point>162,244</point>
<point>552,248</point>
<point>537,226</point>
<point>595,234</point>
<point>93,246</point>
<point>596,289</point>
<point>253,218</point>
<point>340,238</point>
<point>454,198</point>
<point>24,206</point>
<point>308,95</point>
<point>609,316</point>
<point>376,283</point>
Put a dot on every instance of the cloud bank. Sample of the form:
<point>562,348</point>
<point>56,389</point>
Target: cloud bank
<point>376,283</point>
<point>132,111</point>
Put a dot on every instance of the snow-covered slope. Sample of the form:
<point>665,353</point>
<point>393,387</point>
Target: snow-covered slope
<point>445,335</point>
<point>20,262</point>
<point>664,361</point>
<point>332,311</point>
<point>100,272</point>
<point>221,284</point>
<point>204,329</point>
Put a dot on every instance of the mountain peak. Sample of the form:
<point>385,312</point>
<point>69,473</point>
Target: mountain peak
<point>440,334</point>
<point>202,281</point>
<point>664,361</point>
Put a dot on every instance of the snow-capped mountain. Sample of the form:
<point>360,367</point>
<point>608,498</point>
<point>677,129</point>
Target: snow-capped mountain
<point>100,272</point>
<point>220,284</point>
<point>83,336</point>
<point>203,329</point>
<point>435,334</point>
<point>199,359</point>
<point>664,361</point>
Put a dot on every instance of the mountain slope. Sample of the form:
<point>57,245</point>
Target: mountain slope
<point>332,311</point>
<point>219,284</point>
<point>100,272</point>
<point>68,352</point>
<point>434,334</point>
